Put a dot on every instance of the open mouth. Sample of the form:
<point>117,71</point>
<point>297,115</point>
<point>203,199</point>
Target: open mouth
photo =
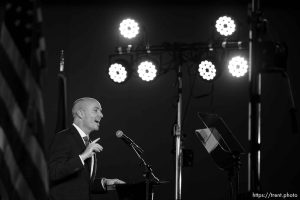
<point>97,121</point>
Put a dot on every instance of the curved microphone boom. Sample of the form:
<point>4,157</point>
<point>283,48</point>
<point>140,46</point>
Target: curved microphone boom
<point>129,141</point>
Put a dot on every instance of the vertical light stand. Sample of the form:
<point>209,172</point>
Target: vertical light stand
<point>178,130</point>
<point>254,110</point>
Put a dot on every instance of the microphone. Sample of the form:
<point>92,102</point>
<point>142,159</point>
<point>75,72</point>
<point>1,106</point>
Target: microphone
<point>129,141</point>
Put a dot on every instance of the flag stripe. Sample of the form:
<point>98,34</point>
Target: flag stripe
<point>15,184</point>
<point>20,80</point>
<point>7,190</point>
<point>16,87</point>
<point>14,82</point>
<point>27,167</point>
<point>23,131</point>
<point>21,68</point>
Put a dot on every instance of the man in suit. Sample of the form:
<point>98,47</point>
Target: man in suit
<point>72,159</point>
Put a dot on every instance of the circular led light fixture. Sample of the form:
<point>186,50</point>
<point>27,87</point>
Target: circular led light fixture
<point>238,66</point>
<point>147,70</point>
<point>207,70</point>
<point>117,72</point>
<point>129,28</point>
<point>225,26</point>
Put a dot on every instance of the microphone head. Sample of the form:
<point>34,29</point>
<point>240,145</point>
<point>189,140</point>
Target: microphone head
<point>119,134</point>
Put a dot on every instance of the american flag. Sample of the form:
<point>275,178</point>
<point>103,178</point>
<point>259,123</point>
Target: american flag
<point>23,173</point>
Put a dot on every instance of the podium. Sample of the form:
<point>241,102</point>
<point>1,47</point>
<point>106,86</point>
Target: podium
<point>136,191</point>
<point>133,191</point>
<point>221,144</point>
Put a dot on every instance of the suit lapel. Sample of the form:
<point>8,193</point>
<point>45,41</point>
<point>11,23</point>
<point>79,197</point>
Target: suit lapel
<point>81,147</point>
<point>77,138</point>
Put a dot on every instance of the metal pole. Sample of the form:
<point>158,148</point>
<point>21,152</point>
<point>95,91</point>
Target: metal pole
<point>178,151</point>
<point>254,110</point>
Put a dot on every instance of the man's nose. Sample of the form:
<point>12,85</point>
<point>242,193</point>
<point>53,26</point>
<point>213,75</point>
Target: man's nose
<point>101,115</point>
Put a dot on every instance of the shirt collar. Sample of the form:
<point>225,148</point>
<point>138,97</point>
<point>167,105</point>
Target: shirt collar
<point>82,134</point>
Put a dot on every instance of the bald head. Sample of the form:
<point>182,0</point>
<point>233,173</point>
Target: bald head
<point>81,104</point>
<point>87,114</point>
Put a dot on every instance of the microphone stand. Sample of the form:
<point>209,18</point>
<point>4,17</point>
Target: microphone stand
<point>293,109</point>
<point>147,174</point>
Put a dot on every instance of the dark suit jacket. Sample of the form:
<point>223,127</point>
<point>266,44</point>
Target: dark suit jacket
<point>69,178</point>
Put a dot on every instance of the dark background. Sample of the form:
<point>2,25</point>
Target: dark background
<point>87,31</point>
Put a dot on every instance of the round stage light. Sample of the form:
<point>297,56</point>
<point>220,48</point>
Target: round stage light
<point>147,70</point>
<point>207,70</point>
<point>117,72</point>
<point>225,26</point>
<point>129,28</point>
<point>238,66</point>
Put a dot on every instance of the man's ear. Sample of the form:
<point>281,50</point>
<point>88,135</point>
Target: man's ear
<point>80,114</point>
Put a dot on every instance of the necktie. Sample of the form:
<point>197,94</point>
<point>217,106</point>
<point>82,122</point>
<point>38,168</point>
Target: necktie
<point>86,140</point>
<point>89,160</point>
